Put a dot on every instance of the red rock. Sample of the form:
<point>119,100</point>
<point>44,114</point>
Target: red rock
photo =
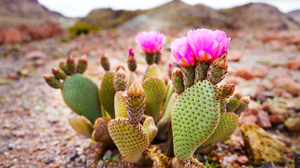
<point>293,64</point>
<point>33,55</point>
<point>287,83</point>
<point>29,31</point>
<point>253,108</point>
<point>276,118</point>
<point>234,55</point>
<point>57,165</point>
<point>244,72</point>
<point>263,120</point>
<point>261,72</point>
<point>248,120</point>
<point>50,29</point>
<point>243,159</point>
<point>12,36</point>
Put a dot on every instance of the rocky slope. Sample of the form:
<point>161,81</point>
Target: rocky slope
<point>13,12</point>
<point>259,16</point>
<point>295,14</point>
<point>178,15</point>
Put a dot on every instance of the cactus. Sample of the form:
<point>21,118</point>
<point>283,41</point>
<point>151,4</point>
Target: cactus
<point>107,90</point>
<point>155,90</point>
<point>130,137</point>
<point>82,125</point>
<point>197,110</point>
<point>79,92</point>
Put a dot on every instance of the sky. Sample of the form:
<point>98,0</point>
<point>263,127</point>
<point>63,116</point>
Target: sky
<point>80,8</point>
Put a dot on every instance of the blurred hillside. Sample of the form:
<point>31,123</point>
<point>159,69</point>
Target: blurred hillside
<point>178,15</point>
<point>14,12</point>
<point>295,14</point>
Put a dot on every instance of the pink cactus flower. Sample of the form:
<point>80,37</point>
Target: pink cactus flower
<point>150,42</point>
<point>131,53</point>
<point>182,52</point>
<point>207,44</point>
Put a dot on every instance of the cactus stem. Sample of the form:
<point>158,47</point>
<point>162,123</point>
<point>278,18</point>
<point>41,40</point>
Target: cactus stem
<point>58,73</point>
<point>71,65</point>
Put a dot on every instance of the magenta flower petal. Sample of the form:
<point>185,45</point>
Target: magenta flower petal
<point>208,43</point>
<point>150,42</point>
<point>181,53</point>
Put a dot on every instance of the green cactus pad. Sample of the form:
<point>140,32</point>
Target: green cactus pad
<point>132,78</point>
<point>170,91</point>
<point>163,122</point>
<point>150,128</point>
<point>233,103</point>
<point>243,105</point>
<point>107,93</point>
<point>155,90</point>
<point>81,95</point>
<point>131,139</point>
<point>120,105</point>
<point>82,125</point>
<point>196,114</point>
<point>152,70</point>
<point>227,125</point>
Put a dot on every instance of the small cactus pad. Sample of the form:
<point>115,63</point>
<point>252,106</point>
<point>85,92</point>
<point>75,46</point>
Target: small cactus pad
<point>107,93</point>
<point>131,62</point>
<point>196,114</point>
<point>243,105</point>
<point>52,81</point>
<point>150,128</point>
<point>120,104</point>
<point>105,63</point>
<point>71,65</point>
<point>177,80</point>
<point>81,95</point>
<point>82,125</point>
<point>82,64</point>
<point>163,122</point>
<point>225,91</point>
<point>100,133</point>
<point>218,69</point>
<point>233,102</point>
<point>152,70</point>
<point>201,70</point>
<point>131,139</point>
<point>63,66</point>
<point>120,80</point>
<point>227,125</point>
<point>150,58</point>
<point>59,74</point>
<point>135,103</point>
<point>188,76</point>
<point>155,90</point>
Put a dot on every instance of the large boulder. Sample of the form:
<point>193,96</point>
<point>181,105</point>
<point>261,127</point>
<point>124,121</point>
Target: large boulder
<point>261,146</point>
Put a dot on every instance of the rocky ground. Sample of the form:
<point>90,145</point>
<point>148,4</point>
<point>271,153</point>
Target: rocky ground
<point>34,131</point>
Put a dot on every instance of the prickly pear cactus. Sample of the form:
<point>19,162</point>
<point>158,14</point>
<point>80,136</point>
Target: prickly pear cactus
<point>130,137</point>
<point>79,92</point>
<point>196,112</point>
<point>82,125</point>
<point>155,90</point>
<point>107,90</point>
